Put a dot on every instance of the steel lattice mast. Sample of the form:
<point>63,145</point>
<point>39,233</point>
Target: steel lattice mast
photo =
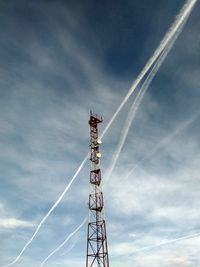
<point>97,249</point>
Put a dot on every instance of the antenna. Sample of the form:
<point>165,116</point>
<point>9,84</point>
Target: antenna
<point>97,248</point>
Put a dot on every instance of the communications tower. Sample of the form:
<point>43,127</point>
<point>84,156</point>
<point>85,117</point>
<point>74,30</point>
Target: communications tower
<point>97,248</point>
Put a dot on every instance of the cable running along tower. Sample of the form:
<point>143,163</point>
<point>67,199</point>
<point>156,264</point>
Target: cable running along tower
<point>97,249</point>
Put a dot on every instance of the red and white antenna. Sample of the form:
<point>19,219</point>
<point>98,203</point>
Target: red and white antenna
<point>97,248</point>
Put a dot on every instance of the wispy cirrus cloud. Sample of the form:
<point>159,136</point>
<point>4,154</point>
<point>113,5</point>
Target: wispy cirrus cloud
<point>57,64</point>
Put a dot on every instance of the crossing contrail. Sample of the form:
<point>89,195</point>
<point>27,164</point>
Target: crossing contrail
<point>133,111</point>
<point>137,101</point>
<point>64,242</point>
<point>187,8</point>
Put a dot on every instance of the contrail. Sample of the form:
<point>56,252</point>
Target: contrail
<point>166,243</point>
<point>165,141</point>
<point>68,249</point>
<point>187,8</point>
<point>64,242</point>
<point>49,212</point>
<point>137,101</point>
<point>133,111</point>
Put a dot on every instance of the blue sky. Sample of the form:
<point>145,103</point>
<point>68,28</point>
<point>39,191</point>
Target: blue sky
<point>59,59</point>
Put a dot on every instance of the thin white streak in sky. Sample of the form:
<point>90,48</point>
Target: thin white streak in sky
<point>137,101</point>
<point>166,243</point>
<point>132,113</point>
<point>161,244</point>
<point>164,142</point>
<point>64,242</point>
<point>69,248</point>
<point>187,8</point>
<point>167,38</point>
<point>49,212</point>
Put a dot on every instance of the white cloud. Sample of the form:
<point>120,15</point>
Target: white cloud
<point>12,223</point>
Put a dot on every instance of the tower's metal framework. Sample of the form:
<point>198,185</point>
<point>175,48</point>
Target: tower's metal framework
<point>97,248</point>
